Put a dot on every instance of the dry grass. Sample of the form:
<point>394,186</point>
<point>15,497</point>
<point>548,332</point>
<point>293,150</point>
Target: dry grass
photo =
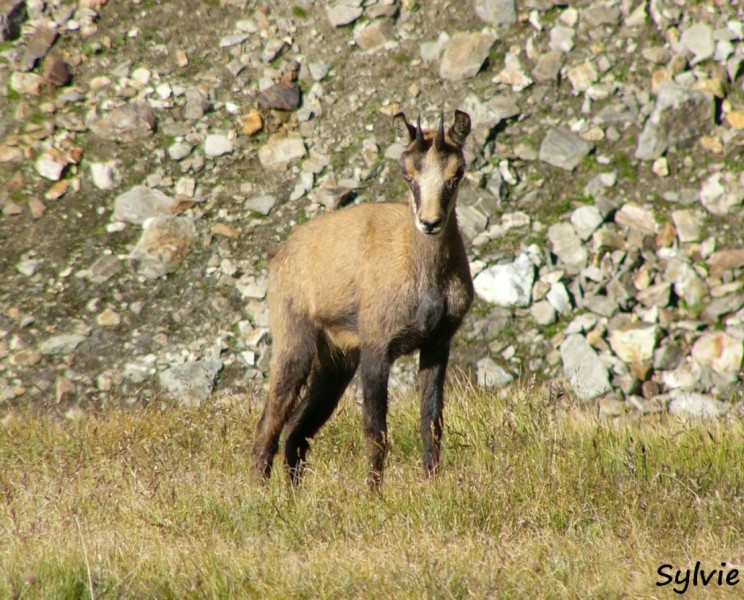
<point>531,503</point>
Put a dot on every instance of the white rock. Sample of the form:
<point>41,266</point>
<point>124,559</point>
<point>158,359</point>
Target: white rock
<point>492,375</point>
<point>584,370</point>
<point>586,220</point>
<point>104,175</point>
<point>567,246</point>
<point>51,164</point>
<point>559,299</point>
<point>698,39</point>
<point>464,55</point>
<point>217,145</point>
<point>141,203</point>
<point>634,342</point>
<point>721,352</point>
<point>507,285</point>
<point>693,404</point>
<point>281,150</point>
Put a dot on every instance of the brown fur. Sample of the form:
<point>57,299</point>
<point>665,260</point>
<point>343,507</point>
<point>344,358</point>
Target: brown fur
<point>358,288</point>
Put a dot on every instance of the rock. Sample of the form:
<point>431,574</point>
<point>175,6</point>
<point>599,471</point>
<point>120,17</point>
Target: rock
<point>464,55</point>
<point>582,367</point>
<point>688,284</point>
<point>722,193</point>
<point>472,221</point>
<point>261,204</point>
<point>28,266</point>
<point>196,104</point>
<point>497,12</point>
<point>26,84</point>
<point>698,39</point>
<point>127,123</point>
<point>12,15</point>
<point>217,145</point>
<point>543,313</point>
<point>103,175</point>
<point>600,305</point>
<point>373,36</point>
<point>192,383</point>
<point>180,150</point>
<point>586,220</point>
<point>280,150</point>
<point>492,375</point>
<point>693,404</point>
<point>548,67</point>
<point>687,222</point>
<point>726,260</point>
<point>61,344</point>
<point>340,14</point>
<point>251,287</point>
<point>679,117</point>
<point>724,305</point>
<point>141,203</point>
<point>108,318</point>
<point>105,268</point>
<point>512,74</point>
<point>51,164</point>
<point>38,46</point>
<point>655,295</point>
<point>559,299</point>
<point>562,39</point>
<point>599,15</point>
<point>567,246</point>
<point>561,148</point>
<point>735,118</point>
<point>164,244</point>
<point>637,217</point>
<point>634,342</point>
<point>253,123</point>
<point>720,352</point>
<point>507,285</point>
<point>285,95</point>
<point>582,76</point>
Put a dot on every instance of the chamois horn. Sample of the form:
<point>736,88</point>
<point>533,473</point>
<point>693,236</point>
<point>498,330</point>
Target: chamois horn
<point>420,144</point>
<point>439,140</point>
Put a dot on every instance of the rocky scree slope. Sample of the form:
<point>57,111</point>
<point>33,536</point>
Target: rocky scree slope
<point>153,153</point>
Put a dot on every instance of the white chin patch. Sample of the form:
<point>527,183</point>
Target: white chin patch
<point>424,229</point>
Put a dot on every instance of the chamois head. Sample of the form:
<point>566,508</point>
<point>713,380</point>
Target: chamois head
<point>433,165</point>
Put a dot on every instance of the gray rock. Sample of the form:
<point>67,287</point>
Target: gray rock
<point>637,217</point>
<point>51,164</point>
<point>104,175</point>
<point>164,244</point>
<point>687,223</point>
<point>722,193</point>
<point>497,12</point>
<point>61,344</point>
<point>492,375</point>
<point>472,221</point>
<point>668,356</point>
<point>600,305</point>
<point>693,404</point>
<point>373,36</point>
<point>583,368</point>
<point>197,104</point>
<point>12,15</point>
<point>128,123</point>
<point>262,204</point>
<point>586,220</point>
<point>141,203</point>
<point>548,66</point>
<point>281,150</point>
<point>543,313</point>
<point>561,148</point>
<point>507,285</point>
<point>679,117</point>
<point>562,38</point>
<point>688,284</point>
<point>601,14</point>
<point>192,383</point>
<point>656,295</point>
<point>634,342</point>
<point>724,305</point>
<point>699,40</point>
<point>28,267</point>
<point>217,145</point>
<point>567,246</point>
<point>340,13</point>
<point>720,352</point>
<point>105,268</point>
<point>464,55</point>
<point>179,150</point>
<point>559,298</point>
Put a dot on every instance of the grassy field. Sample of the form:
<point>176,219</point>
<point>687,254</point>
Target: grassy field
<point>532,502</point>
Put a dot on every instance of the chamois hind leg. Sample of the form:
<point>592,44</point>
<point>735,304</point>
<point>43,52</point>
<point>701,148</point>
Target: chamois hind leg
<point>329,378</point>
<point>290,367</point>
<point>432,370</point>
<point>375,370</point>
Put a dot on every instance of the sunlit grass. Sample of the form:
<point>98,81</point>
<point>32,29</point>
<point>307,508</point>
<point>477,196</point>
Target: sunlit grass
<point>532,501</point>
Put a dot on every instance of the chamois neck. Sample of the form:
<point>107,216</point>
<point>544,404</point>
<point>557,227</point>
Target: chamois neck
<point>432,252</point>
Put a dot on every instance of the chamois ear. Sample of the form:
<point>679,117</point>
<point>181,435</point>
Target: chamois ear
<point>461,128</point>
<point>403,129</point>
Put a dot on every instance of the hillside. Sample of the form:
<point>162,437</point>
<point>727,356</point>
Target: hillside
<point>602,204</point>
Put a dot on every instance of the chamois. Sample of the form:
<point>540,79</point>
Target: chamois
<point>360,287</point>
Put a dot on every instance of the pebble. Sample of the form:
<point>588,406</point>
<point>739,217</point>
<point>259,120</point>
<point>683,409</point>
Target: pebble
<point>104,175</point>
<point>261,204</point>
<point>280,150</point>
<point>61,344</point>
<point>192,383</point>
<point>141,203</point>
<point>217,145</point>
<point>340,13</point>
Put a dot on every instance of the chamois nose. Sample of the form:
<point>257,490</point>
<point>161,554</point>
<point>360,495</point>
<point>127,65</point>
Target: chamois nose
<point>430,227</point>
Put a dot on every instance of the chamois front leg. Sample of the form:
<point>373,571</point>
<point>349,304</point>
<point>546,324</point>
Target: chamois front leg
<point>374,371</point>
<point>432,370</point>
